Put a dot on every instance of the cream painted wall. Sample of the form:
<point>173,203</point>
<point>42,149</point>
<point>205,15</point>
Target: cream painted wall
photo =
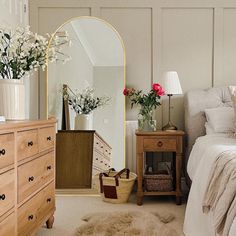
<point>15,13</point>
<point>194,37</point>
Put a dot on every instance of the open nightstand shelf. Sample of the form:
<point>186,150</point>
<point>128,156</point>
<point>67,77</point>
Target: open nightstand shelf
<point>160,141</point>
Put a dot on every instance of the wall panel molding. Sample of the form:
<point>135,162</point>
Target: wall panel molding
<point>214,35</point>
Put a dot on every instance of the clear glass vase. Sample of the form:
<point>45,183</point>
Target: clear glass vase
<point>145,120</point>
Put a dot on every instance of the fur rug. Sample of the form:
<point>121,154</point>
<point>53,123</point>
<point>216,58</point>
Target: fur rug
<point>132,223</point>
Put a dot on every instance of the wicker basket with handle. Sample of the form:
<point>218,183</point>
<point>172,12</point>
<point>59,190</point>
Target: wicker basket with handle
<point>162,181</point>
<point>115,187</point>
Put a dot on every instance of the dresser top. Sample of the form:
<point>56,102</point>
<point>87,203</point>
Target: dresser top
<point>26,123</point>
<point>85,131</point>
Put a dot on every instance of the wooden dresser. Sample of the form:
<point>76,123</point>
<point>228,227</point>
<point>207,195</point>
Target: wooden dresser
<point>80,156</point>
<point>27,176</point>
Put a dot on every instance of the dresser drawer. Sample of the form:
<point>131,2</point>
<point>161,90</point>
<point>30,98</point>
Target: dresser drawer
<point>95,179</point>
<point>100,162</point>
<point>27,143</point>
<point>98,145</point>
<point>96,171</point>
<point>46,138</point>
<point>159,144</point>
<point>107,152</point>
<point>6,150</point>
<point>7,193</point>
<point>34,174</point>
<point>7,226</point>
<point>32,213</point>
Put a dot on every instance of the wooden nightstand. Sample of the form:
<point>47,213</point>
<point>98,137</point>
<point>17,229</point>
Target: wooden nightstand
<point>159,141</point>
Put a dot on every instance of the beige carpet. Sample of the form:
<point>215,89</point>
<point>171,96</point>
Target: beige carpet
<point>71,209</point>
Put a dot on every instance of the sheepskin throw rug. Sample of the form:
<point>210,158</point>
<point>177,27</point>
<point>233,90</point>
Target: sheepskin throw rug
<point>132,223</point>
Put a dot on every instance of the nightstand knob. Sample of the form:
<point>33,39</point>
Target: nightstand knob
<point>160,144</point>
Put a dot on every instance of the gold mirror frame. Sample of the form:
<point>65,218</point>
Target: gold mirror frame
<point>124,50</point>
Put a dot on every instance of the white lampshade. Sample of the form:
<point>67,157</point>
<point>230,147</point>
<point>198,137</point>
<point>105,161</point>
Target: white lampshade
<point>171,83</point>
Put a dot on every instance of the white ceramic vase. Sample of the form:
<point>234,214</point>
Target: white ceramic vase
<point>12,99</point>
<point>83,122</point>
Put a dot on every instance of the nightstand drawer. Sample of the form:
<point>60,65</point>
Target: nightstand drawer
<point>159,144</point>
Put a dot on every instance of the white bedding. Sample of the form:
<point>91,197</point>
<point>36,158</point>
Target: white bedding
<point>204,153</point>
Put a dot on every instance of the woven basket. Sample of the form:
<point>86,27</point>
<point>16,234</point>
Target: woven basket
<point>162,181</point>
<point>115,187</point>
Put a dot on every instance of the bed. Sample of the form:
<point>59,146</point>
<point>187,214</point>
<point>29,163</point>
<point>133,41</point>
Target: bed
<point>201,153</point>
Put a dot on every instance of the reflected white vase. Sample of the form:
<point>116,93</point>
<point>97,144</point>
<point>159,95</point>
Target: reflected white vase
<point>12,99</point>
<point>83,122</point>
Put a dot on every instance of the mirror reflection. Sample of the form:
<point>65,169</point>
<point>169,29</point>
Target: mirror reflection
<point>85,95</point>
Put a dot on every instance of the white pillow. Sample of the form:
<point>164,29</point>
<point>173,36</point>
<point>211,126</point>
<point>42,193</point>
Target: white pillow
<point>209,129</point>
<point>221,119</point>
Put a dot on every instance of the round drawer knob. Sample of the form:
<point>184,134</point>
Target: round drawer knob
<point>31,178</point>
<point>2,152</point>
<point>2,197</point>
<point>160,144</point>
<point>49,138</point>
<point>30,143</point>
<point>30,217</point>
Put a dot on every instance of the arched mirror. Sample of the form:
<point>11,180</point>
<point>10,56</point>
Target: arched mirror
<point>85,95</point>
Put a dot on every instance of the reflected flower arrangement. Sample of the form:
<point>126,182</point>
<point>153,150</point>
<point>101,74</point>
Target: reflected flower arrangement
<point>84,102</point>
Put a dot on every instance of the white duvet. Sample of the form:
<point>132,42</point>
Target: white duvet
<point>203,155</point>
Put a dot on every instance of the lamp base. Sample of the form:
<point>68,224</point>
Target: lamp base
<point>169,127</point>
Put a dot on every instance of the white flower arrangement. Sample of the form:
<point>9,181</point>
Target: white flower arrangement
<point>85,102</point>
<point>22,51</point>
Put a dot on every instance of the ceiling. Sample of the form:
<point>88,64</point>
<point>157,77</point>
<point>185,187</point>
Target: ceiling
<point>100,41</point>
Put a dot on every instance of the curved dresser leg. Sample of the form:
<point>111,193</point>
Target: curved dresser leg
<point>50,222</point>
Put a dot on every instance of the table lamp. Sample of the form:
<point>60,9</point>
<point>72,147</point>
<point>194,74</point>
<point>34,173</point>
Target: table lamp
<point>172,87</point>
